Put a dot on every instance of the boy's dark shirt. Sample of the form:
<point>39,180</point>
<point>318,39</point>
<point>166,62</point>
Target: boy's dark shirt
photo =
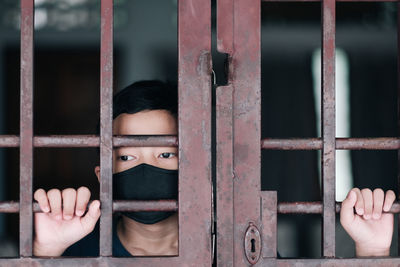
<point>89,245</point>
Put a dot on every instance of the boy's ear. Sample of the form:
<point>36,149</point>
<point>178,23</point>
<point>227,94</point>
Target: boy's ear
<point>97,172</point>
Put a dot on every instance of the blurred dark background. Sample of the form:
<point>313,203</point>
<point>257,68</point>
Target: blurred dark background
<point>67,73</point>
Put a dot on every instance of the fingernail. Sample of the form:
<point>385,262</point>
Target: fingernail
<point>58,217</point>
<point>360,211</point>
<point>367,216</point>
<point>67,217</point>
<point>79,213</point>
<point>375,216</point>
<point>46,209</point>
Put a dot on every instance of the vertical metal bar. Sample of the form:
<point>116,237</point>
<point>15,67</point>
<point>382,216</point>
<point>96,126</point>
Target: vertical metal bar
<point>26,129</point>
<point>106,87</point>
<point>224,147</point>
<point>224,120</point>
<point>328,126</point>
<point>398,120</point>
<point>194,90</point>
<point>269,205</point>
<point>246,82</point>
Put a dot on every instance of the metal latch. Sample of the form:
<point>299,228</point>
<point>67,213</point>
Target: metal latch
<point>252,244</point>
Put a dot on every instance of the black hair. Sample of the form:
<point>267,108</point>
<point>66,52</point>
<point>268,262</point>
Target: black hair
<point>146,95</point>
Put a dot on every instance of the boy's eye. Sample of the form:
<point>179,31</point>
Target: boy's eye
<point>167,155</point>
<point>125,158</point>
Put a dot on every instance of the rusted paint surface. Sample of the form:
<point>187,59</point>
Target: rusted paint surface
<point>224,197</point>
<point>381,1</point>
<point>26,129</point>
<point>398,117</point>
<point>269,223</point>
<point>380,143</point>
<point>245,76</point>
<point>174,261</point>
<point>106,93</point>
<point>328,126</point>
<point>225,26</point>
<point>145,140</point>
<point>172,205</point>
<point>194,91</point>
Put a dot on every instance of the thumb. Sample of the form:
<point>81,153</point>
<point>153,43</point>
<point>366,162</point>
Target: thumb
<point>347,212</point>
<point>89,220</point>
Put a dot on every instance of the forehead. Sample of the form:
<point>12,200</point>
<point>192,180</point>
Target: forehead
<point>152,122</point>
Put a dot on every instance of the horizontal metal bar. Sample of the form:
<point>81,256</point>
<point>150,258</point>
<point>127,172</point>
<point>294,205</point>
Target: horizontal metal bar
<point>145,140</point>
<point>175,261</point>
<point>90,141</point>
<point>379,143</point>
<point>292,144</point>
<point>154,205</point>
<point>278,1</point>
<point>316,207</point>
<point>172,205</point>
<point>118,205</point>
<point>9,141</point>
<point>154,261</point>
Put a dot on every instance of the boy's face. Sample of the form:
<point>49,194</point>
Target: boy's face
<point>152,122</point>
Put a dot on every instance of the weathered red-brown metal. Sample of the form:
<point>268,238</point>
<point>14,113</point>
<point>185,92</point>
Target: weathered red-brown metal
<point>328,126</point>
<point>398,118</point>
<point>194,91</point>
<point>106,93</point>
<point>241,21</point>
<point>380,143</point>
<point>26,129</point>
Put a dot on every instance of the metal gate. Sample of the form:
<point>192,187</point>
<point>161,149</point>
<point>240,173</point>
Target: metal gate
<point>246,216</point>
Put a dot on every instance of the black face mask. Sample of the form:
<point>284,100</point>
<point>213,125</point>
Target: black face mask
<point>146,182</point>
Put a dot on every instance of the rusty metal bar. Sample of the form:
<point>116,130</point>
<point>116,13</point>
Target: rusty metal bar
<point>269,218</point>
<point>398,118</point>
<point>26,129</point>
<point>380,143</point>
<point>9,141</point>
<point>357,1</point>
<point>224,182</point>
<point>106,93</point>
<point>118,205</point>
<point>145,140</point>
<point>194,115</point>
<point>328,125</point>
<point>172,205</point>
<point>91,141</point>
<point>316,207</point>
<point>174,261</point>
<point>245,70</point>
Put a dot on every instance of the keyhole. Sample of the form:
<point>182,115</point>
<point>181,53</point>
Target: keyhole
<point>253,245</point>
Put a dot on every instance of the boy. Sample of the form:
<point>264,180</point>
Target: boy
<point>150,108</point>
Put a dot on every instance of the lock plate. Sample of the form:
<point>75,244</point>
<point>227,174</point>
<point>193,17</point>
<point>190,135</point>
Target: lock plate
<point>252,243</point>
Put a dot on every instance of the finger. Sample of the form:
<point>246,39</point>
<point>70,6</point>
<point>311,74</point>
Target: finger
<point>347,209</point>
<point>54,196</point>
<point>41,197</point>
<point>367,197</point>
<point>82,199</point>
<point>89,220</point>
<point>389,199</point>
<point>378,196</point>
<point>68,199</point>
<point>360,202</point>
